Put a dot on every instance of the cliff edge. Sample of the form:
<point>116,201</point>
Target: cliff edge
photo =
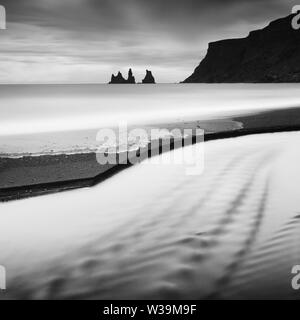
<point>268,55</point>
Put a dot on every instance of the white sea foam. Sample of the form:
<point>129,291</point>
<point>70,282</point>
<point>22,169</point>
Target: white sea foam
<point>56,119</point>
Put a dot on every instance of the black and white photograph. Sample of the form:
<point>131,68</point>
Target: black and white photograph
<point>149,152</point>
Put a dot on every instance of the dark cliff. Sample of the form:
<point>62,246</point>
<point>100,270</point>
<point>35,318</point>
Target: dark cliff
<point>268,55</point>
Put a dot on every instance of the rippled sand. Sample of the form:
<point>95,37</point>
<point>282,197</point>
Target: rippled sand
<point>155,232</point>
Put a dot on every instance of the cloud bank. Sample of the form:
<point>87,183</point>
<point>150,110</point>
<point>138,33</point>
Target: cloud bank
<point>84,41</point>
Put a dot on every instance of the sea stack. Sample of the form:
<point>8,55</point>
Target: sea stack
<point>268,55</point>
<point>119,79</point>
<point>149,77</point>
<point>131,78</point>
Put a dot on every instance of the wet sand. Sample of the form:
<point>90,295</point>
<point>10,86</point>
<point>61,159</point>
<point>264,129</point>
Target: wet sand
<point>153,232</point>
<point>37,175</point>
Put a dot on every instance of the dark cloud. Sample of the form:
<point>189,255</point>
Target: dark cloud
<point>107,15</point>
<point>164,34</point>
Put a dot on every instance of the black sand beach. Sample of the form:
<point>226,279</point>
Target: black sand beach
<point>154,232</point>
<point>178,185</point>
<point>37,175</point>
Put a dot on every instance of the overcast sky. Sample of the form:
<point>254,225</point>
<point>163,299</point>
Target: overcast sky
<point>76,41</point>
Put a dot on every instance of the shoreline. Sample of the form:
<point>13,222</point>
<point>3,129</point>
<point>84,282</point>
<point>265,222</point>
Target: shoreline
<point>82,170</point>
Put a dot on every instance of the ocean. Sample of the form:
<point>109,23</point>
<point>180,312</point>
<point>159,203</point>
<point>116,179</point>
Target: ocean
<point>154,232</point>
<point>58,119</point>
